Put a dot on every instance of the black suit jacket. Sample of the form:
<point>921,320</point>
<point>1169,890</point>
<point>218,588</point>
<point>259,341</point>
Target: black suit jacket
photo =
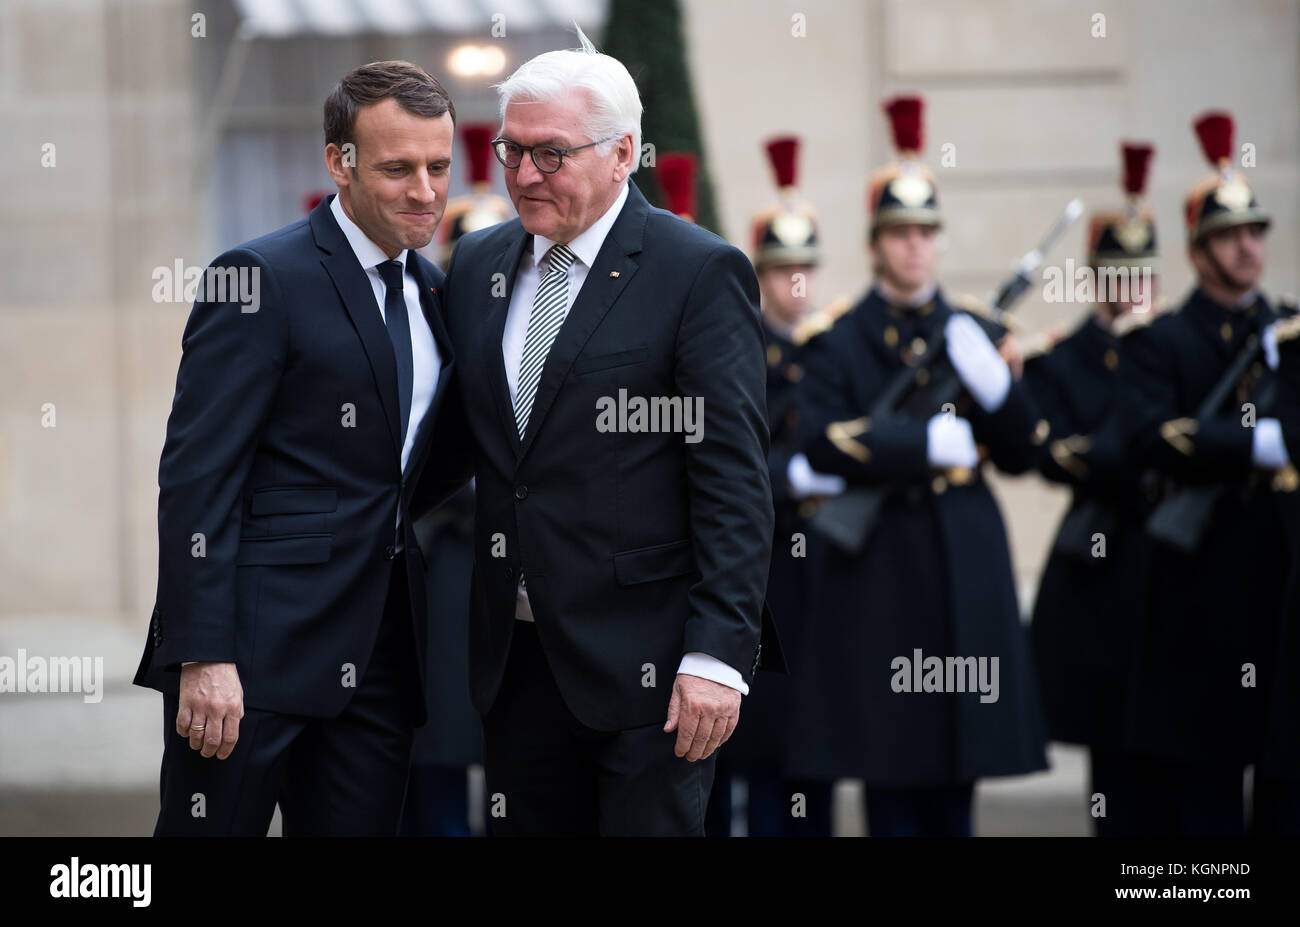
<point>283,450</point>
<point>636,547</point>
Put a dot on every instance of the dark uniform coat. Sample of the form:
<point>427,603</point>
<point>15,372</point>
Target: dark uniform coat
<point>1210,612</point>
<point>453,735</point>
<point>934,576</point>
<point>1088,613</point>
<point>1281,758</point>
<point>759,739</point>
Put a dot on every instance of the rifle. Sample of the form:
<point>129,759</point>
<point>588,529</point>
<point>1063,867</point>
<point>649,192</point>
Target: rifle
<point>848,519</point>
<point>1182,517</point>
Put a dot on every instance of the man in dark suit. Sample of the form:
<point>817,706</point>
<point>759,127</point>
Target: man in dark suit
<point>288,637</point>
<point>612,548</point>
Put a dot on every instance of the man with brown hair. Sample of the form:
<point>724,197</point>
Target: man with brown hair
<point>288,636</point>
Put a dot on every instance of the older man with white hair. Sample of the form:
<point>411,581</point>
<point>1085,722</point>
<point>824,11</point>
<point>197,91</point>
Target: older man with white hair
<point>620,558</point>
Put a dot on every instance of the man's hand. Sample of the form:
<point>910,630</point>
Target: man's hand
<point>704,713</point>
<point>212,702</point>
<point>1009,349</point>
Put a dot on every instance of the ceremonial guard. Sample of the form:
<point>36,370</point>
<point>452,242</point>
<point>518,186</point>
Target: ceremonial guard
<point>1088,614</point>
<point>1189,405</point>
<point>785,252</point>
<point>1277,775</point>
<point>451,741</point>
<point>915,668</point>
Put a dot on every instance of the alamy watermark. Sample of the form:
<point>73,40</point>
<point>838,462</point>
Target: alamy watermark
<point>53,674</point>
<point>945,674</point>
<point>181,284</point>
<point>1087,284</point>
<point>637,414</point>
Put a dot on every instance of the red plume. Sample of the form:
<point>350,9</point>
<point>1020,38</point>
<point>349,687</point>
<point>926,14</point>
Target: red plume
<point>676,172</point>
<point>783,153</point>
<point>905,119</point>
<point>311,199</point>
<point>1137,161</point>
<point>477,137</point>
<point>1215,132</point>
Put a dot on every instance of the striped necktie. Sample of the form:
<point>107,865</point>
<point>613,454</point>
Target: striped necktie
<point>550,306</point>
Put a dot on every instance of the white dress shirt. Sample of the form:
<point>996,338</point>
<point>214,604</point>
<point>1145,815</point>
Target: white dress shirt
<point>527,277</point>
<point>426,363</point>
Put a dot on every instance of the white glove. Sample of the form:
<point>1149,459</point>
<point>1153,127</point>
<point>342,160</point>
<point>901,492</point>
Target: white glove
<point>1267,449</point>
<point>949,442</point>
<point>984,373</point>
<point>1270,346</point>
<point>805,481</point>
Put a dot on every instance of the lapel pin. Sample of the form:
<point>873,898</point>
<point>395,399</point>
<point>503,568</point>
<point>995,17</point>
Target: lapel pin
<point>613,273</point>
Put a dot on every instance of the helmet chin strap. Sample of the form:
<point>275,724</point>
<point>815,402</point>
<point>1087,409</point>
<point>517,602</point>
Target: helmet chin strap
<point>1222,272</point>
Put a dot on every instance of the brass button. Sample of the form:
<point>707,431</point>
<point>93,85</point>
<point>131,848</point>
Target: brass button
<point>1226,331</point>
<point>938,484</point>
<point>918,347</point>
<point>773,355</point>
<point>1111,358</point>
<point>922,377</point>
<point>891,336</point>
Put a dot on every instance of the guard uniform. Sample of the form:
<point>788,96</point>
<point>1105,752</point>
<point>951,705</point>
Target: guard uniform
<point>1206,656</point>
<point>784,235</point>
<point>1277,776</point>
<point>934,580</point>
<point>1087,617</point>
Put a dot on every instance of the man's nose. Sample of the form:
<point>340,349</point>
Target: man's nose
<point>527,173</point>
<point>422,189</point>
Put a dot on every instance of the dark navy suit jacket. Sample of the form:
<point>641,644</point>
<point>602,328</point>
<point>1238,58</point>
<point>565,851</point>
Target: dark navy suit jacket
<point>283,451</point>
<point>636,547</point>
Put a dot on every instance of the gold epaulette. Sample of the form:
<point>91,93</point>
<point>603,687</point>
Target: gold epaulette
<point>976,306</point>
<point>821,320</point>
<point>1130,322</point>
<point>1287,329</point>
<point>1041,343</point>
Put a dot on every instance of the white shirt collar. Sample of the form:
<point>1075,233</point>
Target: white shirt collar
<point>587,245</point>
<point>367,252</point>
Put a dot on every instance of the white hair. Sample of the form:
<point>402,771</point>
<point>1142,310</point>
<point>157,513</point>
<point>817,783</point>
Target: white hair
<point>615,104</point>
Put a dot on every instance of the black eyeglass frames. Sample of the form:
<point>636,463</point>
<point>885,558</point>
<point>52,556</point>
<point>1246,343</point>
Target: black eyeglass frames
<point>546,158</point>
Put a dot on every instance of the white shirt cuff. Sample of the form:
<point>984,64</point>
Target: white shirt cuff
<point>1267,447</point>
<point>707,667</point>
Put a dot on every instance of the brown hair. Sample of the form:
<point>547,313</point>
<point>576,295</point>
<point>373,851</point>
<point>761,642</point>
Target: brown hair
<point>414,89</point>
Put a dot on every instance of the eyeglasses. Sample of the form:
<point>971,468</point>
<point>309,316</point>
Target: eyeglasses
<point>546,158</point>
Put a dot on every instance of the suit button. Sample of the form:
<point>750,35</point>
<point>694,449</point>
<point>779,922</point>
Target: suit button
<point>938,484</point>
<point>390,552</point>
<point>521,493</point>
<point>510,573</point>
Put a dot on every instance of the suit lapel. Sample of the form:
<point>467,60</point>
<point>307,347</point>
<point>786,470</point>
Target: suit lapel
<point>359,300</point>
<point>606,281</point>
<point>505,263</point>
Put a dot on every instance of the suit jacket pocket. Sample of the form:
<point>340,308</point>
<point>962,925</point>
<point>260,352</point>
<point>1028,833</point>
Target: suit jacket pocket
<point>293,500</point>
<point>605,361</point>
<point>650,563</point>
<point>284,549</point>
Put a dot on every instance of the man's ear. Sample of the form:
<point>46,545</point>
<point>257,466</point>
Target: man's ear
<point>339,172</point>
<point>627,156</point>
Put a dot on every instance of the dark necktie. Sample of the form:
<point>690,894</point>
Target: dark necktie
<point>399,330</point>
